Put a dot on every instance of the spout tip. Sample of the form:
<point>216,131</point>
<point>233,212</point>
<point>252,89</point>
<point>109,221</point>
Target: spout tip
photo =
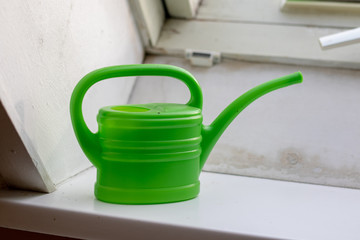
<point>296,77</point>
<point>300,76</point>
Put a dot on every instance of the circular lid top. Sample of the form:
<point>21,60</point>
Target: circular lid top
<point>150,110</point>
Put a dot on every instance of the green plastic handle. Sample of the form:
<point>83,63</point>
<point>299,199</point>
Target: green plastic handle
<point>88,140</point>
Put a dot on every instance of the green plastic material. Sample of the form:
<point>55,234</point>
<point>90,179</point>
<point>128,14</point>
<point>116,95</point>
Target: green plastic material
<point>154,153</point>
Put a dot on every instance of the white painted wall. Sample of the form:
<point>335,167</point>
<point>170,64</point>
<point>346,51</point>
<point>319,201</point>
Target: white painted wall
<point>150,16</point>
<point>305,133</point>
<point>182,9</point>
<point>46,48</point>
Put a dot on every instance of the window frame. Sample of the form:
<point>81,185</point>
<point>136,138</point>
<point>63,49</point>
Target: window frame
<point>176,36</point>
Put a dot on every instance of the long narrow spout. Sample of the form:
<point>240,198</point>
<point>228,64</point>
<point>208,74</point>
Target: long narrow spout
<point>212,132</point>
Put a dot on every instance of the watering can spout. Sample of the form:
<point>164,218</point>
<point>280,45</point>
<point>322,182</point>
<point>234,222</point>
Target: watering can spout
<point>212,132</point>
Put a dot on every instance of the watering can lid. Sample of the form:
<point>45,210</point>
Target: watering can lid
<point>150,110</point>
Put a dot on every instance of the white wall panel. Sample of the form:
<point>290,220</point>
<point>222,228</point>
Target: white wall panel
<point>46,48</point>
<point>304,133</point>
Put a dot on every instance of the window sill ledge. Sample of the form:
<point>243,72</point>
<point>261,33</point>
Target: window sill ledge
<point>227,207</point>
<point>245,41</point>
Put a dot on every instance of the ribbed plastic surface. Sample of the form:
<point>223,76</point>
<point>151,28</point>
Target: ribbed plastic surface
<point>150,153</point>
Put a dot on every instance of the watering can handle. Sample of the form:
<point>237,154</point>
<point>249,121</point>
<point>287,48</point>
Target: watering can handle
<point>88,140</point>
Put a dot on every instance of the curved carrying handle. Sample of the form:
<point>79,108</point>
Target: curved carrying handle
<point>88,140</point>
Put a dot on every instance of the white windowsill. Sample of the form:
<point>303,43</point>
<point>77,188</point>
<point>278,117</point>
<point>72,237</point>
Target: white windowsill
<point>227,207</point>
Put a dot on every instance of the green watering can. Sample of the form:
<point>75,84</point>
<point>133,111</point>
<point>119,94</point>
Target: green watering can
<point>154,153</point>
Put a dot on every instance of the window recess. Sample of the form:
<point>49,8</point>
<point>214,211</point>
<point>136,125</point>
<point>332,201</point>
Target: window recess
<point>262,30</point>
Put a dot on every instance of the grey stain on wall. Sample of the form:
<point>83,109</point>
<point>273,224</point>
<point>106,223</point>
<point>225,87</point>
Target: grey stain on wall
<point>289,163</point>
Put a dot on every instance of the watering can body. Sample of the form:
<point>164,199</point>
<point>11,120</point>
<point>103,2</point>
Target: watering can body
<point>150,153</point>
<point>153,153</point>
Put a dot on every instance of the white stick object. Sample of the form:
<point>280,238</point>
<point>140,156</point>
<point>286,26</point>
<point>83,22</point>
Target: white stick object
<point>340,39</point>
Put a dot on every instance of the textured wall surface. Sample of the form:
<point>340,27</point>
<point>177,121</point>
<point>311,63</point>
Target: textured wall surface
<point>306,133</point>
<point>46,48</point>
